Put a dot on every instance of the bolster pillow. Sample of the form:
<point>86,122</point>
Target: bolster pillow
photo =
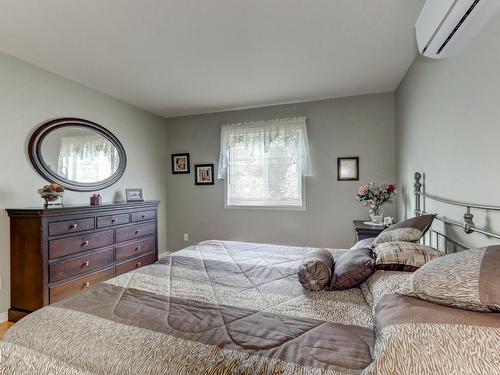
<point>315,271</point>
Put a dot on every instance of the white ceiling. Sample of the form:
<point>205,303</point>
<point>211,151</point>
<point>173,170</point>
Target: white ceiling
<point>176,57</point>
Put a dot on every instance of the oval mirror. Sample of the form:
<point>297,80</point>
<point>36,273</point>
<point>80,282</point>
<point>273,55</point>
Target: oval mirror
<point>78,154</point>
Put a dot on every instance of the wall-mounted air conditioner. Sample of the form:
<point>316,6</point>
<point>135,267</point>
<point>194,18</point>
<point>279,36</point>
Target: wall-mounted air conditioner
<point>446,26</point>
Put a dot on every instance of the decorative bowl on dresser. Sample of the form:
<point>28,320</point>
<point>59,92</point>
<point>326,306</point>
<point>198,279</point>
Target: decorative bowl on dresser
<point>58,252</point>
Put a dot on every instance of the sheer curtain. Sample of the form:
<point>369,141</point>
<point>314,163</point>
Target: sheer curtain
<point>258,137</point>
<point>87,158</point>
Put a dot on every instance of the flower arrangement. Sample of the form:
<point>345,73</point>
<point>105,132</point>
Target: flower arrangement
<point>374,196</point>
<point>51,193</point>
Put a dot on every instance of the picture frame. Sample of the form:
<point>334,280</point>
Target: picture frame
<point>134,194</point>
<point>204,174</point>
<point>348,168</point>
<point>180,163</point>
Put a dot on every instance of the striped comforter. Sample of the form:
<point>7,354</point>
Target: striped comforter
<point>237,308</point>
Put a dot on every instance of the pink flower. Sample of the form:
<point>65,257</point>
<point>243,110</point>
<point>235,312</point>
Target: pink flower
<point>363,189</point>
<point>371,203</point>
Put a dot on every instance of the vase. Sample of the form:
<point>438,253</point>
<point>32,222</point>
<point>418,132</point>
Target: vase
<point>377,215</point>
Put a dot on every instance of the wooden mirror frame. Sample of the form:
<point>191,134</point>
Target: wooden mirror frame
<point>35,154</point>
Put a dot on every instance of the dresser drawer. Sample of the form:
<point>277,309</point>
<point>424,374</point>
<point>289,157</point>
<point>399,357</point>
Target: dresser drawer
<point>78,244</point>
<point>135,263</point>
<point>112,220</point>
<point>135,231</point>
<point>73,287</point>
<point>143,215</point>
<point>70,226</point>
<point>135,248</point>
<point>75,266</point>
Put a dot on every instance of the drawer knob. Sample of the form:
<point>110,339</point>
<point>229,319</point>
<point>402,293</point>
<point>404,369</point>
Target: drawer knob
<point>137,231</point>
<point>114,220</point>
<point>144,216</point>
<point>138,265</point>
<point>86,284</point>
<point>86,264</point>
<point>85,243</point>
<point>137,248</point>
<point>73,226</point>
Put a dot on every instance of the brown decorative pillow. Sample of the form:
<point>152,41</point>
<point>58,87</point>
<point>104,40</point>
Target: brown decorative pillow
<point>411,230</point>
<point>468,280</point>
<point>403,256</point>
<point>315,271</point>
<point>352,268</point>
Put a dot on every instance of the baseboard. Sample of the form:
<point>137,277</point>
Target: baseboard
<point>4,317</point>
<point>164,254</point>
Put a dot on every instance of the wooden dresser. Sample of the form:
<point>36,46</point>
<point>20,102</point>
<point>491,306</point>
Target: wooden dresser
<point>56,253</point>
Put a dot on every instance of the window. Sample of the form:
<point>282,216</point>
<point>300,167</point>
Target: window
<point>263,163</point>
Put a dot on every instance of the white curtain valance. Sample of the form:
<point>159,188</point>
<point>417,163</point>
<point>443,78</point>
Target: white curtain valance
<point>257,137</point>
<point>87,147</point>
<point>96,150</point>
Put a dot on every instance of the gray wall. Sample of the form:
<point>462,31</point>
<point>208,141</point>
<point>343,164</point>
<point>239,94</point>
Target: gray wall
<point>358,126</point>
<point>30,96</point>
<point>448,126</point>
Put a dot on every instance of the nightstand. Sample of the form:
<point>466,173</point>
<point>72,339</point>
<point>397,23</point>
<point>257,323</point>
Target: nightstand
<point>363,230</point>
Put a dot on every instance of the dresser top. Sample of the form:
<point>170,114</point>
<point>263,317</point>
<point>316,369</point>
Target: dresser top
<point>77,209</point>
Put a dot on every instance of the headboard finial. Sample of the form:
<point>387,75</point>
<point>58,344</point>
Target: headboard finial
<point>417,189</point>
<point>468,222</point>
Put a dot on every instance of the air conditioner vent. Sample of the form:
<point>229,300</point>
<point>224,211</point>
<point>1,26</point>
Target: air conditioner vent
<point>445,27</point>
<point>469,11</point>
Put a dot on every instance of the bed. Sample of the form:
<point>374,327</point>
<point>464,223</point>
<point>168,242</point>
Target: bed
<point>222,307</point>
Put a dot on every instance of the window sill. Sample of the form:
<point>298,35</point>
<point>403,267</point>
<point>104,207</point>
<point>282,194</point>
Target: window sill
<point>266,208</point>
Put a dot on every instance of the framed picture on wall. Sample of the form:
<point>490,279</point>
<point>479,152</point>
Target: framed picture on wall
<point>348,169</point>
<point>204,174</point>
<point>180,163</point>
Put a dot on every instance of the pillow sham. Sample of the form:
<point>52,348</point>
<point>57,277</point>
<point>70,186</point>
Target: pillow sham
<point>315,271</point>
<point>403,256</point>
<point>352,268</point>
<point>468,280</point>
<point>365,242</point>
<point>382,283</point>
<point>411,230</point>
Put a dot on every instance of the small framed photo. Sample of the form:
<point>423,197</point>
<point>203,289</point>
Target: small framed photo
<point>204,174</point>
<point>180,164</point>
<point>348,169</point>
<point>135,195</point>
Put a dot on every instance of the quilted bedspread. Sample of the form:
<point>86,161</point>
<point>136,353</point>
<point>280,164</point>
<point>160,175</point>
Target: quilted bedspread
<point>237,308</point>
<point>213,308</point>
